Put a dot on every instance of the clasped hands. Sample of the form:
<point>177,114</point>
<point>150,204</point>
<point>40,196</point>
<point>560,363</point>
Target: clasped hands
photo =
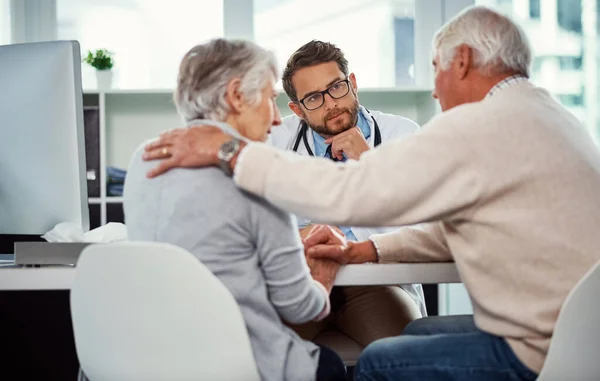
<point>326,245</point>
<point>321,245</point>
<point>325,242</point>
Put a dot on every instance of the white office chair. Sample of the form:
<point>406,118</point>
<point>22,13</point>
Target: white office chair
<point>150,311</point>
<point>573,352</point>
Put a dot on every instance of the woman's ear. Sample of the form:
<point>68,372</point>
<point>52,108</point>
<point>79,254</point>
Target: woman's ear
<point>234,97</point>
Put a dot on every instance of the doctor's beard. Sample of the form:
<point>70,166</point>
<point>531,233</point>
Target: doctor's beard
<point>331,128</point>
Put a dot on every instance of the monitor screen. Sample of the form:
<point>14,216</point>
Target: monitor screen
<point>42,152</point>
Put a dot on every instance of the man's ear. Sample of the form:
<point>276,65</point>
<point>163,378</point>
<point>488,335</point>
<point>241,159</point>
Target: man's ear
<point>295,107</point>
<point>463,61</point>
<point>234,97</point>
<point>352,79</point>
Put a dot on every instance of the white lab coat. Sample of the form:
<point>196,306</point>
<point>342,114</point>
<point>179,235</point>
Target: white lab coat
<point>390,126</point>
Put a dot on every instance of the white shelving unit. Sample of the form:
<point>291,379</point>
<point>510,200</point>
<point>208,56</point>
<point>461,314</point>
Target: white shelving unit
<point>128,118</point>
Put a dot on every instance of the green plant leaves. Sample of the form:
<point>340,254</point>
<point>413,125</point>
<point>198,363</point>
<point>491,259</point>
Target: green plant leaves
<point>101,59</point>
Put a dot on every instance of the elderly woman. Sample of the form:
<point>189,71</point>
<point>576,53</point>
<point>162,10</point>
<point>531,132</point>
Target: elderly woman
<point>253,247</point>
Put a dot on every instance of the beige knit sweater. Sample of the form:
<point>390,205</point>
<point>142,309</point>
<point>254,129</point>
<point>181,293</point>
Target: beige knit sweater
<point>508,188</point>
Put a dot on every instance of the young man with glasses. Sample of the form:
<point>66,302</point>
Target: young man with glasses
<point>329,122</point>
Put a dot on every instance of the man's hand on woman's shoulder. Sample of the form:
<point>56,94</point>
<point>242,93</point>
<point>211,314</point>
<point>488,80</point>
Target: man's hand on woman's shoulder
<point>192,147</point>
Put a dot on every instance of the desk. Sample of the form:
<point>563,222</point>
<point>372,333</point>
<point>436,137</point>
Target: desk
<point>372,274</point>
<point>61,277</point>
<point>34,306</point>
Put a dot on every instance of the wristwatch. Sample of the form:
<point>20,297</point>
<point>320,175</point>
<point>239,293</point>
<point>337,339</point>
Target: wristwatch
<point>227,151</point>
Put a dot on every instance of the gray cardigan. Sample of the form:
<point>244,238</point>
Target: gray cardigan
<point>253,247</point>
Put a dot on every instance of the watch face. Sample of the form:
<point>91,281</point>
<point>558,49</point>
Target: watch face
<point>230,145</point>
<point>226,153</point>
<point>228,149</point>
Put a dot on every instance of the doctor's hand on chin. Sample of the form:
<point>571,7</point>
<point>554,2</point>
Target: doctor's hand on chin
<point>324,242</point>
<point>351,143</point>
<point>191,147</point>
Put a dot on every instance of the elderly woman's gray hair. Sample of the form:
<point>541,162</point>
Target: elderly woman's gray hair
<point>499,45</point>
<point>206,70</point>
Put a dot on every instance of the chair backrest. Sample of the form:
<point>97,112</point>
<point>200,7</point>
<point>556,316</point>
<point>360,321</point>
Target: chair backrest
<point>575,345</point>
<point>152,311</point>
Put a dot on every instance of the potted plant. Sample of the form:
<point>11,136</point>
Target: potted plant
<point>102,61</point>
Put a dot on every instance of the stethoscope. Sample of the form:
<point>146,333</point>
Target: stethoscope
<point>304,129</point>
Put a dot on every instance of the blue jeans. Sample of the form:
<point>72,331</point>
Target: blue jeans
<point>441,348</point>
<point>436,325</point>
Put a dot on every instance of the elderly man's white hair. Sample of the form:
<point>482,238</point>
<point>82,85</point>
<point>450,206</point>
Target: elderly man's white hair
<point>206,70</point>
<point>499,45</point>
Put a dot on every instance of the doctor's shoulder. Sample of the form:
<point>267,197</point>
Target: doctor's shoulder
<point>394,126</point>
<point>281,136</point>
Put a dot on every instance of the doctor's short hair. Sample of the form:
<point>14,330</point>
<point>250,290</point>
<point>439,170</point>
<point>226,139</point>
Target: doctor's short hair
<point>499,45</point>
<point>312,53</point>
<point>206,70</point>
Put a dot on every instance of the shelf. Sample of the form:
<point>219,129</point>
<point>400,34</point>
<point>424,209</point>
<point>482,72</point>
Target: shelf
<point>129,91</point>
<point>409,89</point>
<point>404,89</point>
<point>109,199</point>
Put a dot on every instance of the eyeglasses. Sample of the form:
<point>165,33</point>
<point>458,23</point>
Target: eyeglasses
<point>338,90</point>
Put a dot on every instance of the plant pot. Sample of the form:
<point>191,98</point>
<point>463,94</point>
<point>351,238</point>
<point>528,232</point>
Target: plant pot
<point>104,79</point>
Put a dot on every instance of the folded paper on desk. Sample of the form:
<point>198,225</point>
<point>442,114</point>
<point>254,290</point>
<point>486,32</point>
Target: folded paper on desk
<point>65,242</point>
<point>70,232</point>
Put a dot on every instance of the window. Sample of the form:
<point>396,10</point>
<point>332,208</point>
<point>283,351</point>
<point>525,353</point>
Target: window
<point>5,22</point>
<point>376,36</point>
<point>571,99</point>
<point>534,9</point>
<point>568,13</point>
<point>566,63</point>
<point>404,38</point>
<point>570,63</point>
<point>536,66</point>
<point>148,37</point>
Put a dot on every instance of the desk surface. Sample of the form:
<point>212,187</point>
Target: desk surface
<point>397,273</point>
<point>61,277</point>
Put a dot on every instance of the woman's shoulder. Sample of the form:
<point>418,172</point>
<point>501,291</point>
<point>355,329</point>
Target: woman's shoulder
<point>136,162</point>
<point>209,185</point>
<point>268,214</point>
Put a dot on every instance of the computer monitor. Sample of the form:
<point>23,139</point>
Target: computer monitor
<point>42,145</point>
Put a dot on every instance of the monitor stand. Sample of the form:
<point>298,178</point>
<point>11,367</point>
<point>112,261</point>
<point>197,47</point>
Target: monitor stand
<point>7,242</point>
<point>48,253</point>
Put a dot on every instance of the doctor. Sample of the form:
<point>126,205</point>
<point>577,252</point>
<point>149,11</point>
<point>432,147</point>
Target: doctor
<point>329,122</point>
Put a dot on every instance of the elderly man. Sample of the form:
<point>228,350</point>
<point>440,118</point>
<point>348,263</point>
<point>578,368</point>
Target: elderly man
<point>505,182</point>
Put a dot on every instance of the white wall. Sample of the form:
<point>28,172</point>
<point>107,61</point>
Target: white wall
<point>5,23</point>
<point>363,29</point>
